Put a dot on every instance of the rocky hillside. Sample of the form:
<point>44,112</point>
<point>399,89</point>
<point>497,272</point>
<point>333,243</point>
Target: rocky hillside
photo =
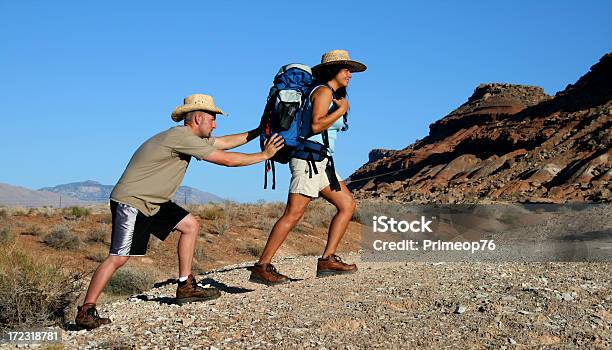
<point>93,191</point>
<point>383,306</point>
<point>509,143</point>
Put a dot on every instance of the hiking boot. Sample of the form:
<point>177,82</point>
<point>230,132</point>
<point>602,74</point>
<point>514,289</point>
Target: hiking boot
<point>87,317</point>
<point>333,265</point>
<point>267,274</point>
<point>188,291</point>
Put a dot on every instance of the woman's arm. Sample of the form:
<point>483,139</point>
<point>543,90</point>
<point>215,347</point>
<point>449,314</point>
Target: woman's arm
<point>321,118</point>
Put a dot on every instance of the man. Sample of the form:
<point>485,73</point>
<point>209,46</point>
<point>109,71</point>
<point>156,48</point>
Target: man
<point>140,202</point>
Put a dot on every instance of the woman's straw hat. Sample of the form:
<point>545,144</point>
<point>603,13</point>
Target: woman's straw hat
<point>334,57</point>
<point>195,102</point>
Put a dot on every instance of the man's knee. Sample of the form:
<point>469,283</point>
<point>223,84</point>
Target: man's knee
<point>189,225</point>
<point>117,261</point>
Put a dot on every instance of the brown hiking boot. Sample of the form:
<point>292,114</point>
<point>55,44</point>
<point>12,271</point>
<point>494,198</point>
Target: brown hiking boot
<point>189,291</point>
<point>333,265</point>
<point>267,274</point>
<point>87,317</point>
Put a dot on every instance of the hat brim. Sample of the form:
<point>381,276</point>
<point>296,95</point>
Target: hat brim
<point>179,112</point>
<point>354,66</point>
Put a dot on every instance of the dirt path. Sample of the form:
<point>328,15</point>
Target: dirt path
<point>384,305</point>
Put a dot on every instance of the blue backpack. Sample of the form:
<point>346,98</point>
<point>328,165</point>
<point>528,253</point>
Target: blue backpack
<point>288,112</point>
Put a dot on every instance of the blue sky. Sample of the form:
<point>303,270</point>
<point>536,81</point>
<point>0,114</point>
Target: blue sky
<point>82,84</point>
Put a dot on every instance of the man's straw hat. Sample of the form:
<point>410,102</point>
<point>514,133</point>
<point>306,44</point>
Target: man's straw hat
<point>195,102</point>
<point>334,57</point>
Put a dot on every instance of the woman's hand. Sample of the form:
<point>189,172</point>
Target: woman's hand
<point>342,104</point>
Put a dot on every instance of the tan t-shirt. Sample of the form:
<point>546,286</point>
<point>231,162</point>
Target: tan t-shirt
<point>156,170</point>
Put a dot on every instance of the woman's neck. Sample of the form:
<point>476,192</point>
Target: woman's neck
<point>333,84</point>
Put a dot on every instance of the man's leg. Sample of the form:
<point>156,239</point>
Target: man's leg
<point>187,289</point>
<point>103,274</point>
<point>296,205</point>
<point>189,228</point>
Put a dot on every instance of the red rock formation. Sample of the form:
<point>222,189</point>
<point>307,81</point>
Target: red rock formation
<point>506,143</point>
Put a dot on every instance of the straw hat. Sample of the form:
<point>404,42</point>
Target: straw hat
<point>195,102</point>
<point>340,57</point>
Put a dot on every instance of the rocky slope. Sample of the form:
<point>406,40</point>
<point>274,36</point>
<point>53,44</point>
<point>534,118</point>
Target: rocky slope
<point>509,143</point>
<point>383,306</point>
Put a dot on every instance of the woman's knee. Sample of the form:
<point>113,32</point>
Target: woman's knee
<point>347,205</point>
<point>293,216</point>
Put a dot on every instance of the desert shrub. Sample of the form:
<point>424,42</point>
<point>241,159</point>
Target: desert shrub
<point>20,212</point>
<point>34,292</point>
<point>199,253</point>
<point>224,220</point>
<point>99,235</point>
<point>254,250</point>
<point>98,256</point>
<point>47,212</point>
<point>33,230</point>
<point>4,214</point>
<point>265,223</point>
<point>274,209</point>
<point>129,280</point>
<point>210,212</point>
<point>7,235</point>
<point>106,219</point>
<point>62,238</point>
<point>77,211</point>
<point>319,213</point>
<point>356,217</point>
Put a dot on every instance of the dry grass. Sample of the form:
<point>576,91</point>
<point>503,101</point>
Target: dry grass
<point>99,235</point>
<point>7,235</point>
<point>319,213</point>
<point>253,250</point>
<point>33,230</point>
<point>130,280</point>
<point>32,291</point>
<point>77,211</point>
<point>224,218</point>
<point>98,256</point>
<point>61,237</point>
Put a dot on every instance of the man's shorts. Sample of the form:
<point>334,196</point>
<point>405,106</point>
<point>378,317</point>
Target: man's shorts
<point>306,182</point>
<point>132,229</point>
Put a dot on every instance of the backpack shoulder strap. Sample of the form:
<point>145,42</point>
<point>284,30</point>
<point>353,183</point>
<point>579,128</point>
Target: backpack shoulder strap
<point>318,86</point>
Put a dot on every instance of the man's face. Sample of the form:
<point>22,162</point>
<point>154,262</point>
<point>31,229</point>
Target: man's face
<point>207,124</point>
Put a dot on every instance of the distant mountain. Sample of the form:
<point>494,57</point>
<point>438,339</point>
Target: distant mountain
<point>93,191</point>
<point>23,197</point>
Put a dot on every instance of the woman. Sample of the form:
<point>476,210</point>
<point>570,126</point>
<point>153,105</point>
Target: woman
<point>329,110</point>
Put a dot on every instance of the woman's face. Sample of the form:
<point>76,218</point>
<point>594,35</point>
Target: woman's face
<point>343,77</point>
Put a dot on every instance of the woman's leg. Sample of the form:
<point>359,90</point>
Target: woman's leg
<point>344,202</point>
<point>296,205</point>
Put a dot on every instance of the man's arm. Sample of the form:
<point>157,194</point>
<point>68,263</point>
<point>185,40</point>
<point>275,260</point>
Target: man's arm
<point>234,159</point>
<point>233,141</point>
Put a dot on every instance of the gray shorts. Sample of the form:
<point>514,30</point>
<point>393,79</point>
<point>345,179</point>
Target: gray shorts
<point>305,182</point>
<point>132,229</point>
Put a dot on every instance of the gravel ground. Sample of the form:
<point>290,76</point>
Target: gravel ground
<point>384,305</point>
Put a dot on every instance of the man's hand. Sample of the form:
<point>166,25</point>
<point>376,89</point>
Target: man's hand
<point>342,104</point>
<point>272,145</point>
